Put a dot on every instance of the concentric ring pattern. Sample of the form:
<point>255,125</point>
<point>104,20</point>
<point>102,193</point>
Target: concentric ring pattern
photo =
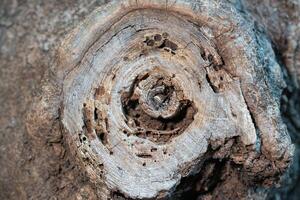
<point>148,86</point>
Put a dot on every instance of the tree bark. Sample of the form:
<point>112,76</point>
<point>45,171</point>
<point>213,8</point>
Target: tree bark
<point>157,100</point>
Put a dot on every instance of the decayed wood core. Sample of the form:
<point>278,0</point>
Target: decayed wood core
<point>153,97</point>
<point>155,107</point>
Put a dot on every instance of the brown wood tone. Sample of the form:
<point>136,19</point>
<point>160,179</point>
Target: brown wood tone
<point>172,99</point>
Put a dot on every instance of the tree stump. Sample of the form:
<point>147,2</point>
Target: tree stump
<point>162,99</point>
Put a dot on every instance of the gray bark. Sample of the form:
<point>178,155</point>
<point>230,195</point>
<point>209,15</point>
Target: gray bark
<point>149,99</point>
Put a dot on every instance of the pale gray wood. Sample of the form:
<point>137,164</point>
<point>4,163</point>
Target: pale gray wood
<point>217,63</point>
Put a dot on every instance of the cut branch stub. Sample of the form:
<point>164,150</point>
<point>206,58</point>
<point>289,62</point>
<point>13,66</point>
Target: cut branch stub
<point>149,86</point>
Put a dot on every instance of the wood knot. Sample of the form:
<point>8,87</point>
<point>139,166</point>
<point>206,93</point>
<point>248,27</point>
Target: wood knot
<point>156,108</point>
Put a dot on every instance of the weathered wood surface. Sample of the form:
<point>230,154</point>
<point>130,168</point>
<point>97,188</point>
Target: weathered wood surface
<point>116,67</point>
<point>159,99</point>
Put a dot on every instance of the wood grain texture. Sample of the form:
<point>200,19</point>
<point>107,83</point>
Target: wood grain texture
<point>153,90</point>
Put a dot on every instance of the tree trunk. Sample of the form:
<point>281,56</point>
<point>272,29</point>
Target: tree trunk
<point>150,99</point>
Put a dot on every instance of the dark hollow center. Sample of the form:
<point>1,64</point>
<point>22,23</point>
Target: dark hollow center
<point>159,96</point>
